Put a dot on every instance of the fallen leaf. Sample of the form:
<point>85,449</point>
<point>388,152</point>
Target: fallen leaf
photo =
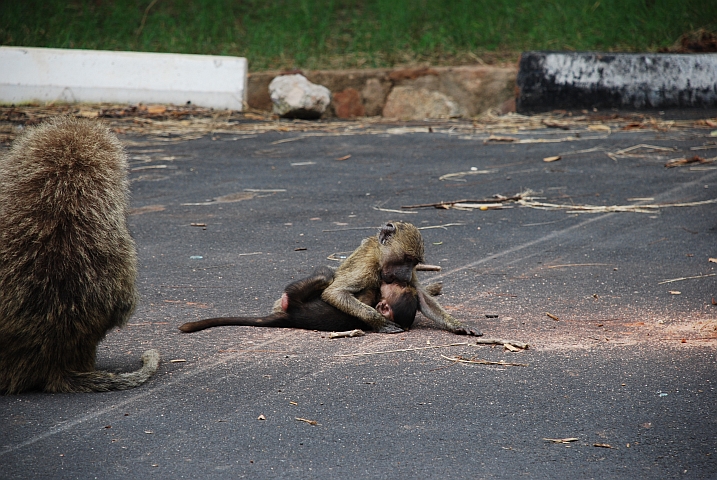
<point>345,157</point>
<point>552,316</point>
<point>552,159</point>
<point>713,260</point>
<point>686,161</point>
<point>599,128</point>
<point>156,109</point>
<point>554,124</point>
<point>89,114</point>
<point>261,417</point>
<point>497,138</point>
<point>293,403</point>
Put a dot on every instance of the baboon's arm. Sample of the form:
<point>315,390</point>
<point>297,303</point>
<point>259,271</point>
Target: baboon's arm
<point>429,307</point>
<point>345,300</point>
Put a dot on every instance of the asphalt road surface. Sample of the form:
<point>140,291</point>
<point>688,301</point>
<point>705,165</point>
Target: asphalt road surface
<point>623,370</point>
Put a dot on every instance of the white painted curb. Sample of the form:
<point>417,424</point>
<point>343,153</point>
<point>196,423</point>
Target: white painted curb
<point>633,81</point>
<point>51,74</point>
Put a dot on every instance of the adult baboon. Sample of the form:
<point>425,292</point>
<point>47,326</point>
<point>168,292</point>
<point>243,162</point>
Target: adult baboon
<point>389,257</point>
<point>67,261</point>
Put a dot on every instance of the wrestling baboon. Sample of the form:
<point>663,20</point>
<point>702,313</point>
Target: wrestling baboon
<point>301,306</point>
<point>67,261</point>
<point>389,257</point>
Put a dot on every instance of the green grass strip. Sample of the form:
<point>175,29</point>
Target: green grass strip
<point>345,33</point>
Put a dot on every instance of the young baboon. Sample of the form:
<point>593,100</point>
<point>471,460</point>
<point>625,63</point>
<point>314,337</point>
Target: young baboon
<point>67,261</point>
<point>301,306</point>
<point>389,257</point>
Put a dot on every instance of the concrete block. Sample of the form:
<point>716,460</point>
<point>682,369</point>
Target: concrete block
<point>49,74</point>
<point>547,81</point>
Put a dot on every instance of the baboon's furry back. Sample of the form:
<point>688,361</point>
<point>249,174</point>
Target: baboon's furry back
<point>67,261</point>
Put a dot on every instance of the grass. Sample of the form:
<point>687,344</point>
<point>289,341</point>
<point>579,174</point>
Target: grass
<point>358,33</point>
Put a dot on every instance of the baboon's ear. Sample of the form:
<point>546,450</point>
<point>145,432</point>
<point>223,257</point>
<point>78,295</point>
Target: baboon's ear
<point>384,309</point>
<point>386,232</point>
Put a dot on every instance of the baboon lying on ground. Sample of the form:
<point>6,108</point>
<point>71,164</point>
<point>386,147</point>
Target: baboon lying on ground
<point>67,261</point>
<point>301,306</point>
<point>381,270</point>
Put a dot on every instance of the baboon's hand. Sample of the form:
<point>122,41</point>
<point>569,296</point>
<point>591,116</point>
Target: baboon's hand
<point>390,327</point>
<point>466,330</point>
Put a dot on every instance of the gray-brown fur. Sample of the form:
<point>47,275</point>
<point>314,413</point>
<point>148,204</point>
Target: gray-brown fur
<point>389,257</point>
<point>67,261</point>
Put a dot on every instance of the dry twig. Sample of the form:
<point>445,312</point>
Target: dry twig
<point>423,267</point>
<point>310,422</point>
<point>350,333</point>
<point>686,278</point>
<point>498,341</point>
<point>562,440</point>
<point>610,208</point>
<point>459,359</point>
<point>495,200</point>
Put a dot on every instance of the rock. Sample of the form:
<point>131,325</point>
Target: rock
<point>474,89</point>
<point>507,107</point>
<point>348,104</point>
<point>409,103</point>
<point>374,95</point>
<point>294,96</point>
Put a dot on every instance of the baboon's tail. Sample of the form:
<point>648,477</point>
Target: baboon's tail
<point>100,381</point>
<point>276,320</point>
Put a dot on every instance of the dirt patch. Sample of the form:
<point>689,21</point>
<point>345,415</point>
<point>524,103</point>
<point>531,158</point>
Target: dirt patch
<point>625,326</point>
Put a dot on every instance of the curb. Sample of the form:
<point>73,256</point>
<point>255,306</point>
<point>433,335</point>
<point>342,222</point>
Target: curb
<point>545,81</point>
<point>551,80</point>
<point>51,74</point>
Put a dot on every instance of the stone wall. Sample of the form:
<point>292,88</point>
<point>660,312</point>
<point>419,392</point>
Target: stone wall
<point>405,94</point>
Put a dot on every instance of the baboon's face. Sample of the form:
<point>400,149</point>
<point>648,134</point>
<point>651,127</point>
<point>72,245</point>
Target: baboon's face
<point>401,250</point>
